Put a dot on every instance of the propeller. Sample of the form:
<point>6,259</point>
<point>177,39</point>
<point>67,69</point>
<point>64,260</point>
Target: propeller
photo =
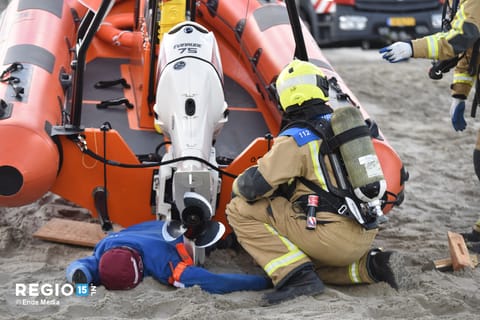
<point>172,229</point>
<point>196,223</point>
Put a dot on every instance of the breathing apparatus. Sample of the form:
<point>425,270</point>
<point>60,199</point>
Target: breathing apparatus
<point>346,142</point>
<point>363,168</point>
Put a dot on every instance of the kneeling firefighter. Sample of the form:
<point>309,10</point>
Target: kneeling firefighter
<point>304,169</point>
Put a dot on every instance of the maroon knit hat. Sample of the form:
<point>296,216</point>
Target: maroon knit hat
<point>120,268</point>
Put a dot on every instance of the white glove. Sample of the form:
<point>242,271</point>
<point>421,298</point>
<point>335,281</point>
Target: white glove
<point>396,52</point>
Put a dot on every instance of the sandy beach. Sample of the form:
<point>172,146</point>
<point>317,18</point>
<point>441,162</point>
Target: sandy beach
<point>442,195</point>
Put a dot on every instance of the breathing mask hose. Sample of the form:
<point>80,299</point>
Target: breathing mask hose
<point>358,153</point>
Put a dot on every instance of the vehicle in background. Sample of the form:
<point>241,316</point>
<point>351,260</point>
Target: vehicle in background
<point>370,22</point>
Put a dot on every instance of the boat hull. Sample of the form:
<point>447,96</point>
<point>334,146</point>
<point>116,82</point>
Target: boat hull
<point>34,37</point>
<point>255,43</point>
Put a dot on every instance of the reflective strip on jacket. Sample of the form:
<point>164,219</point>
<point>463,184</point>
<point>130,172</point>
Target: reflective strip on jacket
<point>462,35</point>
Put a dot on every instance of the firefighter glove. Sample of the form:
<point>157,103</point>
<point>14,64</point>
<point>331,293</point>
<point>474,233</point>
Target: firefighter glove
<point>457,110</point>
<point>396,52</point>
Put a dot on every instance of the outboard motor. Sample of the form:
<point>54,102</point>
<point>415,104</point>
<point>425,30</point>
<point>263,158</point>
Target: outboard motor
<point>190,110</point>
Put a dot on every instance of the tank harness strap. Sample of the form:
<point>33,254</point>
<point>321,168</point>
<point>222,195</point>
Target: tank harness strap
<point>286,189</point>
<point>332,200</point>
<point>444,66</point>
<point>451,9</point>
<point>337,140</point>
<point>475,71</point>
<point>174,279</point>
<point>327,201</point>
<point>476,98</point>
<point>472,67</point>
<point>320,129</point>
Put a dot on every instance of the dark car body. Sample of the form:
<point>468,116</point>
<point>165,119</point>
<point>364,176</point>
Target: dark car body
<point>363,22</point>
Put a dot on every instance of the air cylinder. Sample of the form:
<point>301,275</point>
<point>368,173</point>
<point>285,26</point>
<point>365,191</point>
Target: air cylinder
<point>361,162</point>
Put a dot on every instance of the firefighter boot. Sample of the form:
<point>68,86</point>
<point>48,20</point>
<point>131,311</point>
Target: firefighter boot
<point>474,246</point>
<point>473,236</point>
<point>300,282</point>
<point>381,267</point>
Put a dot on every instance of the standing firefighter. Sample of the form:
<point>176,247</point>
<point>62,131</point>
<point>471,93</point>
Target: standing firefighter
<point>457,46</point>
<point>269,210</point>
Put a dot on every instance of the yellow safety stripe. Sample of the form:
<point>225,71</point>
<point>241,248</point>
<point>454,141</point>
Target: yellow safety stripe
<point>314,152</point>
<point>292,256</point>
<point>457,29</point>
<point>432,46</point>
<point>354,273</point>
<point>463,78</point>
<point>295,81</point>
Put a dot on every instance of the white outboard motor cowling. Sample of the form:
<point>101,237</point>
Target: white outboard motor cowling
<point>190,109</point>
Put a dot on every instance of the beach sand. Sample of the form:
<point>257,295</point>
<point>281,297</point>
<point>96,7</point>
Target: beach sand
<point>442,194</point>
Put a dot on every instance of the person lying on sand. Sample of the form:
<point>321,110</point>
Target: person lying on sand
<point>121,260</point>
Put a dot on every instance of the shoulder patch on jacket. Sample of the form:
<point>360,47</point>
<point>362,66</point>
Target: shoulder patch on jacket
<point>302,136</point>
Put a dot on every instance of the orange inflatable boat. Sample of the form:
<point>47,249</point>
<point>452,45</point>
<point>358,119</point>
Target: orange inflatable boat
<point>79,102</point>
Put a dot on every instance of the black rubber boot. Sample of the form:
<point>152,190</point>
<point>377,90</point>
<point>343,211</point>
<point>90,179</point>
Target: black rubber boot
<point>301,282</point>
<point>474,246</point>
<point>379,267</point>
<point>79,277</point>
<point>473,236</point>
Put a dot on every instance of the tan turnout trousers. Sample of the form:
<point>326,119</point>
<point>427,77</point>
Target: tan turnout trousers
<point>268,229</point>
